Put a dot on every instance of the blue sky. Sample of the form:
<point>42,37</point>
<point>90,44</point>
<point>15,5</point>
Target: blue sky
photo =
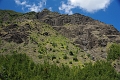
<point>107,11</point>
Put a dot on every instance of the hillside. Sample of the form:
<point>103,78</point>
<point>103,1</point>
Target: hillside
<point>85,32</point>
<point>39,41</point>
<point>60,39</point>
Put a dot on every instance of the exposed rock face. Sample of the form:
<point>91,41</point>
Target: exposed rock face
<point>85,32</point>
<point>15,34</point>
<point>90,36</point>
<point>56,19</point>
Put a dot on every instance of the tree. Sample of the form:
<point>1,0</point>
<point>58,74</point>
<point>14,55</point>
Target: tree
<point>114,52</point>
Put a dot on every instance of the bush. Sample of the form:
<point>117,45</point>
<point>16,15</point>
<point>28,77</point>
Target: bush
<point>65,57</point>
<point>113,52</point>
<point>54,44</point>
<point>71,53</point>
<point>40,56</point>
<point>57,61</point>
<point>75,59</point>
<point>53,57</point>
<point>70,62</point>
<point>42,50</point>
<point>88,55</point>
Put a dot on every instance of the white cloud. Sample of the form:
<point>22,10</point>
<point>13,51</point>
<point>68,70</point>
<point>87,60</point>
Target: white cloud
<point>50,8</point>
<point>86,5</point>
<point>20,3</point>
<point>31,7</point>
<point>67,8</point>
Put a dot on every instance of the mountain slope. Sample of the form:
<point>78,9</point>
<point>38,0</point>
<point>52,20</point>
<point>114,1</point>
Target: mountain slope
<point>39,41</point>
<point>58,38</point>
<point>90,35</point>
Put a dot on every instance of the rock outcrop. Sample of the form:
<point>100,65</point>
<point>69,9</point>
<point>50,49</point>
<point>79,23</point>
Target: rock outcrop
<point>56,19</point>
<point>15,33</point>
<point>85,32</point>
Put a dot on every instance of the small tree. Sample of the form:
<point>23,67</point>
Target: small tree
<point>114,52</point>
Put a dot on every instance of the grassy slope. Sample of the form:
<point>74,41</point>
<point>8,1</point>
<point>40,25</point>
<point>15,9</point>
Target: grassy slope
<point>44,43</point>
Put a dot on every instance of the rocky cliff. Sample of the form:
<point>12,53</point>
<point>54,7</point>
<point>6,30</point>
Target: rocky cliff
<point>91,35</point>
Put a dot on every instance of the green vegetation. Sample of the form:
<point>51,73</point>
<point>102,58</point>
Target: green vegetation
<point>71,53</point>
<point>75,59</point>
<point>37,39</point>
<point>20,67</point>
<point>48,54</point>
<point>65,57</point>
<point>114,52</point>
<point>41,43</point>
<point>8,16</point>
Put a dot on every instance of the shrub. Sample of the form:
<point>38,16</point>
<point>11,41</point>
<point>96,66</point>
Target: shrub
<point>65,57</point>
<point>57,61</point>
<point>113,52</point>
<point>71,53</point>
<point>40,56</point>
<point>54,44</point>
<point>53,57</point>
<point>75,59</point>
<point>42,50</point>
<point>88,55</point>
<point>70,62</point>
